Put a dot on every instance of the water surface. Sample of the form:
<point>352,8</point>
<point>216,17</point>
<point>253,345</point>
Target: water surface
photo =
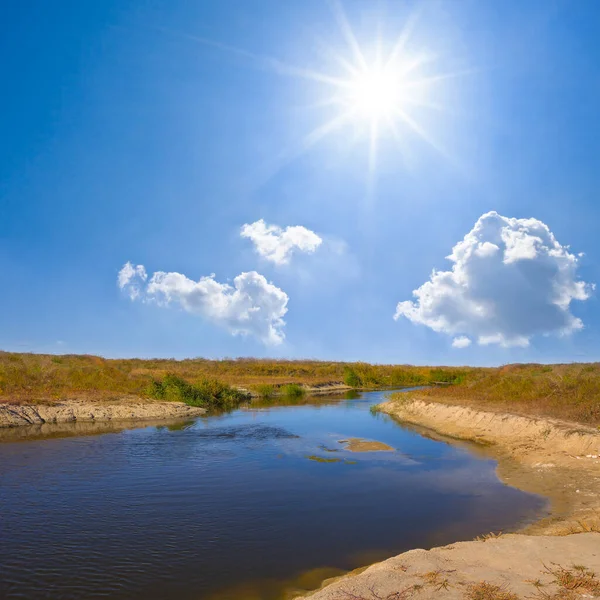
<point>237,506</point>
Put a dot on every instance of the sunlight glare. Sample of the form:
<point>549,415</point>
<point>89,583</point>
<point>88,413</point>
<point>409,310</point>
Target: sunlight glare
<point>376,93</point>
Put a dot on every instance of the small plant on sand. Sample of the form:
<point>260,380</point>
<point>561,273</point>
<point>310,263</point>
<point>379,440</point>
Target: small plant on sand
<point>492,535</point>
<point>489,591</point>
<point>373,595</point>
<point>436,579</point>
<point>572,582</point>
<point>292,390</point>
<point>265,390</point>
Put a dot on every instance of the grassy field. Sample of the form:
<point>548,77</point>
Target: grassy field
<point>42,378</point>
<point>570,391</point>
<point>564,391</point>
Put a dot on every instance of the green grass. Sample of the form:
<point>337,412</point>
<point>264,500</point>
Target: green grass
<point>292,390</point>
<point>208,393</point>
<point>265,390</point>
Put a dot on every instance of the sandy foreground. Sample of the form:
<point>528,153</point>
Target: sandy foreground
<point>557,558</point>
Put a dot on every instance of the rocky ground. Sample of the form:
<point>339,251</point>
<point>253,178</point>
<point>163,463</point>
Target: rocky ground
<point>69,411</point>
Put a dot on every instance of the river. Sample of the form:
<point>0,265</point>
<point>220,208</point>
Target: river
<point>246,505</point>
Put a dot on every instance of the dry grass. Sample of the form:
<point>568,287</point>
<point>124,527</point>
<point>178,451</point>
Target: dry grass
<point>43,378</point>
<point>590,523</point>
<point>564,391</point>
<point>570,392</point>
<point>489,591</point>
<point>492,535</point>
<point>404,594</point>
<point>573,582</point>
<point>436,579</point>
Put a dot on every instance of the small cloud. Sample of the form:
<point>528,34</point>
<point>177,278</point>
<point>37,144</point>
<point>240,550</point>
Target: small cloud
<point>462,341</point>
<point>276,244</point>
<point>510,280</point>
<point>131,278</point>
<point>252,306</point>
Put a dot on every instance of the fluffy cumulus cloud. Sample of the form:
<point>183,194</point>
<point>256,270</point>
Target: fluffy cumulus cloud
<point>251,306</point>
<point>276,244</point>
<point>510,280</point>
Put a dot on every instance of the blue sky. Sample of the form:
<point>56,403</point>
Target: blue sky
<point>152,131</point>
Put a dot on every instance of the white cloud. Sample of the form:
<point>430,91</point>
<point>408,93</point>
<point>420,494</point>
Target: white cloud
<point>131,278</point>
<point>276,244</point>
<point>510,280</point>
<point>252,306</point>
<point>462,341</point>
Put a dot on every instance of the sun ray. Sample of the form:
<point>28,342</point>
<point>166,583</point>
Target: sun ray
<point>404,36</point>
<point>406,118</point>
<point>415,63</point>
<point>398,138</point>
<point>439,77</point>
<point>265,62</point>
<point>320,132</point>
<point>340,15</point>
<point>429,104</point>
<point>347,65</point>
<point>373,146</point>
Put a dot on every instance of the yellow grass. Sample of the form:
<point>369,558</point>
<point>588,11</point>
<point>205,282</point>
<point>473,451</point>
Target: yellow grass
<point>43,378</point>
<point>565,391</point>
<point>570,391</point>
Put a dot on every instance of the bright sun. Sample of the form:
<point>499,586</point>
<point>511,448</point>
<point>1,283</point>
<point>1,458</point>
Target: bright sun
<point>376,94</point>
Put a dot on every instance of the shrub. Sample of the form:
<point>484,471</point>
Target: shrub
<point>208,393</point>
<point>351,378</point>
<point>292,389</point>
<point>265,390</point>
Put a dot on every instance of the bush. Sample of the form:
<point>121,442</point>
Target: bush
<point>292,389</point>
<point>265,390</point>
<point>351,378</point>
<point>208,393</point>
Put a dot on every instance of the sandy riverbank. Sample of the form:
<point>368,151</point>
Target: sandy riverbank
<point>557,459</point>
<point>69,411</point>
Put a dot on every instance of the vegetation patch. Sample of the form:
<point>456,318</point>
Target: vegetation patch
<point>265,390</point>
<point>562,391</point>
<point>573,582</point>
<point>322,459</point>
<point>293,390</point>
<point>46,377</point>
<point>489,591</point>
<point>208,393</point>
